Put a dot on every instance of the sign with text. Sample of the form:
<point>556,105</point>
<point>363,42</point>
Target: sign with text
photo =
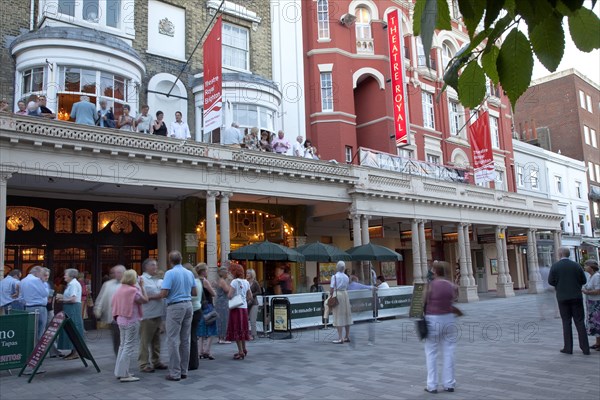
<point>398,90</point>
<point>59,324</point>
<point>213,102</point>
<point>273,229</point>
<point>17,335</point>
<point>481,150</point>
<point>417,302</point>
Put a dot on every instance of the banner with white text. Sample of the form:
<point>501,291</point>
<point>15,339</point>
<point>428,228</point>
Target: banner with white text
<point>401,126</point>
<point>481,149</point>
<point>213,102</point>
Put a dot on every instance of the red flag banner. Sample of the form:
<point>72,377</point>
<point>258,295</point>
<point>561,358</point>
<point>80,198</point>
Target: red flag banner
<point>401,127</point>
<point>481,149</point>
<point>213,102</point>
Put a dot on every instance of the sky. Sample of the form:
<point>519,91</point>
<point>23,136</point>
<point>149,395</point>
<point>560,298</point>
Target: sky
<point>586,63</point>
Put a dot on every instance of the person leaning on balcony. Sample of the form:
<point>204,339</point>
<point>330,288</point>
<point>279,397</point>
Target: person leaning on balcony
<point>143,120</point>
<point>251,140</point>
<point>232,136</point>
<point>310,151</point>
<point>297,148</point>
<point>179,128</point>
<point>126,121</point>
<point>84,112</point>
<point>3,105</point>
<point>159,127</point>
<point>106,118</point>
<point>265,141</point>
<point>22,108</point>
<point>281,144</point>
<point>45,111</point>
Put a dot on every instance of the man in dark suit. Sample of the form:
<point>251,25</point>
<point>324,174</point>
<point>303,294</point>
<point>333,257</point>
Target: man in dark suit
<point>567,277</point>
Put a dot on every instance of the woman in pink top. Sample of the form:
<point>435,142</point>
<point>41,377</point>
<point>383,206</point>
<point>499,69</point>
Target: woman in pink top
<point>440,320</point>
<point>127,311</point>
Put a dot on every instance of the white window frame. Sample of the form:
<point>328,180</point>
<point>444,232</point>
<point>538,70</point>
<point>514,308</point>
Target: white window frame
<point>578,189</point>
<point>447,54</point>
<point>326,82</point>
<point>588,103</point>
<point>594,138</point>
<point>581,223</point>
<point>558,184</point>
<point>520,176</point>
<point>597,169</point>
<point>534,179</point>
<point>596,209</point>
<point>362,28</point>
<point>26,91</point>
<point>265,117</point>
<point>348,152</point>
<point>591,171</point>
<point>586,134</point>
<point>495,131</point>
<point>434,159</point>
<point>499,181</point>
<point>226,47</point>
<point>323,19</point>
<point>582,99</point>
<point>103,9</point>
<point>456,113</point>
<point>428,110</point>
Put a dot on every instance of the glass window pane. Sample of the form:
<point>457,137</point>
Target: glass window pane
<point>91,10</point>
<point>106,84</point>
<point>72,79</point>
<point>67,7</point>
<point>119,89</point>
<point>88,81</point>
<point>26,86</point>
<point>113,13</point>
<point>37,81</point>
<point>253,116</point>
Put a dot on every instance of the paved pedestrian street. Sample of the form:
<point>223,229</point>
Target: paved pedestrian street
<point>504,351</point>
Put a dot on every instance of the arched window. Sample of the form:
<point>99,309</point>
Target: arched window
<point>447,54</point>
<point>364,38</point>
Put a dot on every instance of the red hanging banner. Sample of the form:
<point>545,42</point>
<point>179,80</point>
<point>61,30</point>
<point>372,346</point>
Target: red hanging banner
<point>213,102</point>
<point>401,126</point>
<point>481,149</point>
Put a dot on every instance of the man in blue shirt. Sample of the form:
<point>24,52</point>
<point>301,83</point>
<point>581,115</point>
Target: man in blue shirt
<point>9,290</point>
<point>35,296</point>
<point>177,288</point>
<point>84,112</point>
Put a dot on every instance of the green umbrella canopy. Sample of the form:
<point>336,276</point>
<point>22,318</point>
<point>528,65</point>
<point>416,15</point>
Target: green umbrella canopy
<point>373,252</point>
<point>322,253</point>
<point>266,251</point>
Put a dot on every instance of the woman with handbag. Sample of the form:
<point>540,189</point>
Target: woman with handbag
<point>342,313</point>
<point>221,303</point>
<point>440,317</point>
<point>208,323</point>
<point>239,297</point>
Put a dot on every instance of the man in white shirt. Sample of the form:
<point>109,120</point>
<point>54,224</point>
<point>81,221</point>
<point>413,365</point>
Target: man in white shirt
<point>144,120</point>
<point>297,149</point>
<point>35,296</point>
<point>179,128</point>
<point>232,136</point>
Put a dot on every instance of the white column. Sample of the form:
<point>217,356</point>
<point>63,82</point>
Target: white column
<point>423,248</point>
<point>365,229</point>
<point>557,243</point>
<point>505,255</point>
<point>161,236</point>
<point>356,230</point>
<point>462,258</point>
<point>4,177</point>
<point>211,234</point>
<point>224,227</point>
<point>504,286</point>
<point>468,255</point>
<point>416,253</point>
<point>174,227</point>
<point>535,280</point>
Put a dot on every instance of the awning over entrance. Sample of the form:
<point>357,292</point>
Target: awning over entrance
<point>591,242</point>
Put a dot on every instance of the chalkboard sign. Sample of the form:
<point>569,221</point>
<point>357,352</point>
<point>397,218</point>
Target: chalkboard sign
<point>417,302</point>
<point>281,318</point>
<point>60,323</point>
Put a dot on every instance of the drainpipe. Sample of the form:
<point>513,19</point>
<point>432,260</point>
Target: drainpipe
<point>32,15</point>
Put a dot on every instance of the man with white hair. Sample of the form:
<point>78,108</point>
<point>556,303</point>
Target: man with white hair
<point>35,295</point>
<point>297,149</point>
<point>103,305</point>
<point>84,112</point>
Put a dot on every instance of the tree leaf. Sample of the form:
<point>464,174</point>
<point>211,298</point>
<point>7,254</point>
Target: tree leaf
<point>492,11</point>
<point>515,65</point>
<point>562,8</point>
<point>533,11</point>
<point>451,74</point>
<point>497,31</point>
<point>548,41</point>
<point>510,7</point>
<point>573,5</point>
<point>472,12</point>
<point>443,16</point>
<point>428,20</point>
<point>471,85</point>
<point>488,62</point>
<point>419,7</point>
<point>584,26</point>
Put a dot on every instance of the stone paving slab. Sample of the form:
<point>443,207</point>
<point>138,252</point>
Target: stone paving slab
<point>504,351</point>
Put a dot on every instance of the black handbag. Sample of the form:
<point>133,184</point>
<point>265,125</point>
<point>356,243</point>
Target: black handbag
<point>421,324</point>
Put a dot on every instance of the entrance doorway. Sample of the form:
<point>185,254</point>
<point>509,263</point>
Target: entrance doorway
<point>482,286</point>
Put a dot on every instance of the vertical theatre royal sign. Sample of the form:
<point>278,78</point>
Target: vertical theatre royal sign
<point>481,149</point>
<point>398,89</point>
<point>213,102</point>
